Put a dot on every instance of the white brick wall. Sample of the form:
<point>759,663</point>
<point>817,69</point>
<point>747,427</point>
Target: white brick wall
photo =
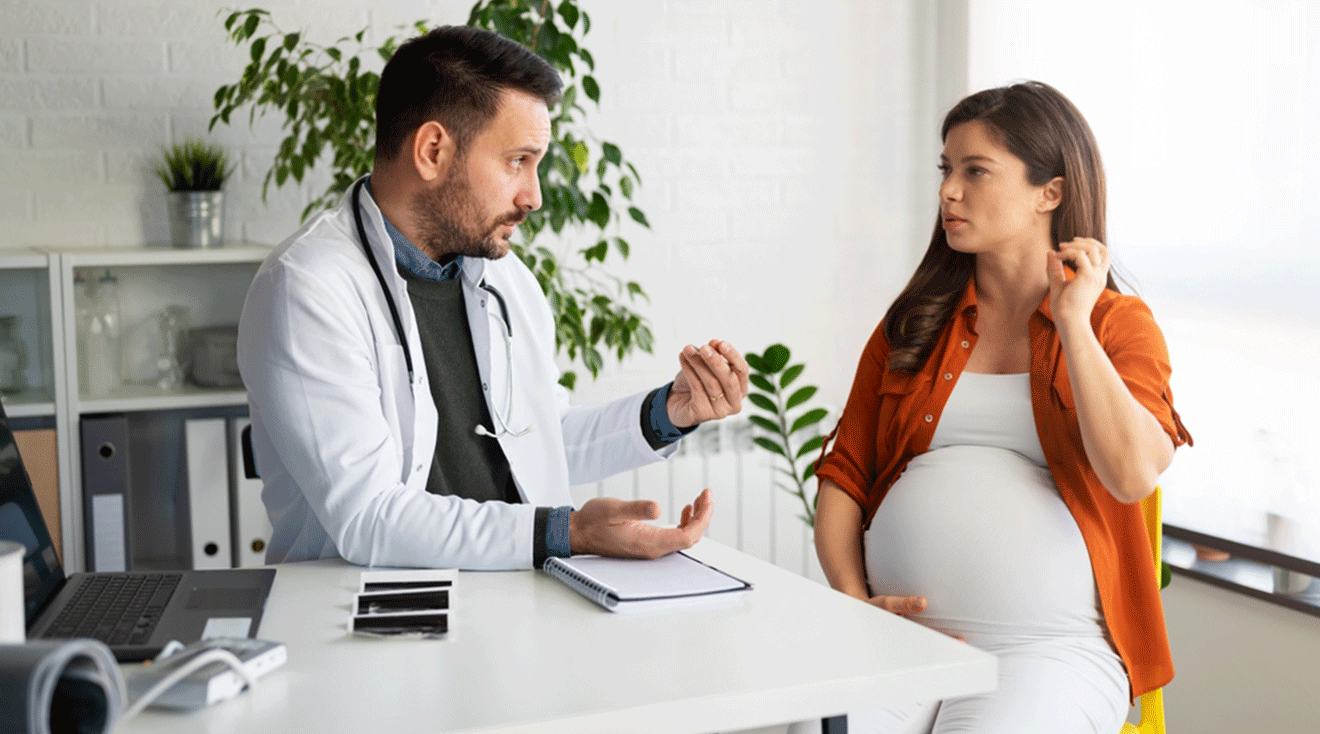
<point>40,18</point>
<point>90,91</point>
<point>32,95</point>
<point>776,141</point>
<point>11,55</point>
<point>13,131</point>
<point>786,148</point>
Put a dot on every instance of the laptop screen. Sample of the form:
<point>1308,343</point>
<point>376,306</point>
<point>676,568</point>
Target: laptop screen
<point>21,522</point>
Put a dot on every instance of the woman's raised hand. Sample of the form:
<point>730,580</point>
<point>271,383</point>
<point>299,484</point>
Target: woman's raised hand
<point>1075,298</point>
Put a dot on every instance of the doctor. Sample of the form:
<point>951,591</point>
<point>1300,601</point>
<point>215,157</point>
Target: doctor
<point>400,368</point>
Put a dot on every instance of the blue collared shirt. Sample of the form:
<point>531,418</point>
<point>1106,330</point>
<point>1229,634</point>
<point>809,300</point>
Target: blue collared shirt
<point>407,255</point>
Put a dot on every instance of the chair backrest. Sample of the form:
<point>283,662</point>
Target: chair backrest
<point>1152,511</point>
<point>249,456</point>
<point>1152,703</point>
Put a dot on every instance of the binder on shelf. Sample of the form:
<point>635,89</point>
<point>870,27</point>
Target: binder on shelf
<point>105,484</point>
<point>41,458</point>
<point>251,526</point>
<point>207,455</point>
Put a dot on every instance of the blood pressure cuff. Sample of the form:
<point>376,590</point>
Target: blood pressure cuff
<point>51,686</point>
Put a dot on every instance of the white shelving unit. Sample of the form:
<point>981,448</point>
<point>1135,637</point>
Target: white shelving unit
<point>30,402</point>
<point>211,283</point>
<point>164,255</point>
<point>29,290</point>
<point>38,287</point>
<point>133,398</point>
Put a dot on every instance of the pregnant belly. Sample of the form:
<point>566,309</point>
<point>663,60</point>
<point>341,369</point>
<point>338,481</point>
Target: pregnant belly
<point>983,535</point>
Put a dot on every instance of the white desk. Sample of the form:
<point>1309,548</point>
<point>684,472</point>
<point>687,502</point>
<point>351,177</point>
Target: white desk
<point>527,654</point>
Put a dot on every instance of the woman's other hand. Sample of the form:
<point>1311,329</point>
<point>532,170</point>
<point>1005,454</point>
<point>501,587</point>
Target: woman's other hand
<point>1073,299</point>
<point>905,605</point>
<point>900,605</point>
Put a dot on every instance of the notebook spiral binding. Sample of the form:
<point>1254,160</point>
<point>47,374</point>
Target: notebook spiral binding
<point>581,584</point>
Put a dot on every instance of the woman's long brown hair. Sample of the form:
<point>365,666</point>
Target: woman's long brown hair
<point>1036,123</point>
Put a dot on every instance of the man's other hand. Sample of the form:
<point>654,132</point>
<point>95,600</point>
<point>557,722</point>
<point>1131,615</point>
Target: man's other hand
<point>607,526</point>
<point>711,384</point>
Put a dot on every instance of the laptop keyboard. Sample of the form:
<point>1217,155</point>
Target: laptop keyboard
<point>117,610</point>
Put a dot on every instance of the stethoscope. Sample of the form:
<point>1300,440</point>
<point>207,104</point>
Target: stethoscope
<point>501,422</point>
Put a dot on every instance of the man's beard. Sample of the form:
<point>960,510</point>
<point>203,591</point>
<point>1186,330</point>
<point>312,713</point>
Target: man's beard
<point>449,221</point>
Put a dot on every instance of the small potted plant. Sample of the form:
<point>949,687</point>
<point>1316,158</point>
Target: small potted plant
<point>194,173</point>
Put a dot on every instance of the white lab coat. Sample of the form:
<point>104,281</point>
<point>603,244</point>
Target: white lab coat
<point>343,442</point>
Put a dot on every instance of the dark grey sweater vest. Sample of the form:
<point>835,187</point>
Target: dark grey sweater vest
<point>465,464</point>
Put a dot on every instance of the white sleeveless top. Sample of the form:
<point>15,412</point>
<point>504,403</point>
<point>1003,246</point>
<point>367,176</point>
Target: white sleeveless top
<point>977,527</point>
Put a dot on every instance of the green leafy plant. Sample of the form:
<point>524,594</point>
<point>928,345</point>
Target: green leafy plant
<point>793,439</point>
<point>326,96</point>
<point>193,166</point>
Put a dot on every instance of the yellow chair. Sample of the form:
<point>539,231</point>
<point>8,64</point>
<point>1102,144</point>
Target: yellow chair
<point>1152,703</point>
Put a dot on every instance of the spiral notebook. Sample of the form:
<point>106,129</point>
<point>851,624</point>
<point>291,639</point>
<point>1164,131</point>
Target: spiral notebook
<point>632,585</point>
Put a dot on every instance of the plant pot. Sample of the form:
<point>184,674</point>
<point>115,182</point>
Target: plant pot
<point>197,218</point>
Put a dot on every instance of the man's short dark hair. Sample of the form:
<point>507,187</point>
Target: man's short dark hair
<point>455,76</point>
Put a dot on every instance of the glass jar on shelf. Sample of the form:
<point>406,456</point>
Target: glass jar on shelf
<point>102,346</point>
<point>82,322</point>
<point>173,321</point>
<point>13,356</point>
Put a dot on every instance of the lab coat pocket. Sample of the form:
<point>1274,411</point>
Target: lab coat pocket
<point>396,401</point>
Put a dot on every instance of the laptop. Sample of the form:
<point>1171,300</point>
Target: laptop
<point>135,613</point>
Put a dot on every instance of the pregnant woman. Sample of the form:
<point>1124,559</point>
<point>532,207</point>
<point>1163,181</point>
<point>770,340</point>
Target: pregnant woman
<point>1007,416</point>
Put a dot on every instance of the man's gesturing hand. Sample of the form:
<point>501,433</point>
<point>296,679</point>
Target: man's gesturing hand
<point>607,526</point>
<point>711,384</point>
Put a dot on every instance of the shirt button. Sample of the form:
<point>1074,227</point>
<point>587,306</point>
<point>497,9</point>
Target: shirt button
<point>419,467</point>
<point>948,375</point>
<point>483,387</point>
<point>966,344</point>
<point>929,417</point>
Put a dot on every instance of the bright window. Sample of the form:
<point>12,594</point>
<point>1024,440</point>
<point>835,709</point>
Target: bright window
<point>1208,118</point>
